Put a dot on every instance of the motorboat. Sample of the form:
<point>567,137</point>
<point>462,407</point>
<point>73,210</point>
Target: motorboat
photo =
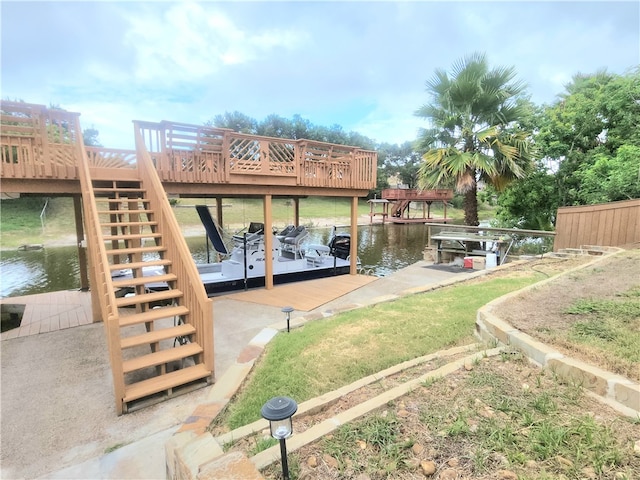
<point>243,265</point>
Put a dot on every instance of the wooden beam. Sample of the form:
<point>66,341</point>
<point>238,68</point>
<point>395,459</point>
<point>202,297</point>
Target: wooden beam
<point>353,266</point>
<point>82,249</point>
<point>268,243</point>
<point>296,211</point>
<point>219,211</point>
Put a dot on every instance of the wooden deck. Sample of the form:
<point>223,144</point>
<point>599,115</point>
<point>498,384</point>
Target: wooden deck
<point>49,312</point>
<point>307,295</point>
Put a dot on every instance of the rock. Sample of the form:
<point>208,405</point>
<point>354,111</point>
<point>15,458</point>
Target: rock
<point>403,413</point>
<point>564,461</point>
<point>417,449</point>
<point>448,474</point>
<point>636,448</point>
<point>589,472</point>
<point>312,461</point>
<point>453,462</point>
<point>330,461</point>
<point>362,444</point>
<point>507,475</point>
<point>363,476</point>
<point>468,367</point>
<point>428,467</point>
<point>531,464</point>
<point>499,458</point>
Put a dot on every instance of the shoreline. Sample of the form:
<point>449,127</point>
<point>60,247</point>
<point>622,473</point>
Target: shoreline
<point>193,230</point>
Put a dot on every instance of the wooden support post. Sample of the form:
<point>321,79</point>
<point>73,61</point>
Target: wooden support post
<point>353,266</point>
<point>296,212</point>
<point>268,243</point>
<point>82,249</point>
<point>219,211</point>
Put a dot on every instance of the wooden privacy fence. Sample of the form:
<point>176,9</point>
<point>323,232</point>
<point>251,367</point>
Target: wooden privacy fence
<point>609,224</point>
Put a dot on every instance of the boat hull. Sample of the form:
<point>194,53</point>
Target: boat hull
<point>225,286</point>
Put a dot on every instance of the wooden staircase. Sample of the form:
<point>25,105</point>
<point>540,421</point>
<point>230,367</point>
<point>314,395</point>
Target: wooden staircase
<point>399,208</point>
<point>156,347</point>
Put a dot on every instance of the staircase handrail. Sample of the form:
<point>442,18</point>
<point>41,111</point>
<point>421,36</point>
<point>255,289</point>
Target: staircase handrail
<point>102,285</point>
<point>188,279</point>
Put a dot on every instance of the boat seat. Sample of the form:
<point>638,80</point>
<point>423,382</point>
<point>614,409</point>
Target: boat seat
<point>295,237</point>
<point>285,231</point>
<point>316,254</point>
<point>251,238</point>
<point>256,227</point>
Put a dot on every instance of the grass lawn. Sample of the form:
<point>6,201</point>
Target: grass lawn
<point>324,355</point>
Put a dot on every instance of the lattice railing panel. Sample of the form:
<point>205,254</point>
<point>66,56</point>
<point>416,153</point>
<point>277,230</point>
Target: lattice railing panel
<point>244,155</point>
<point>282,158</point>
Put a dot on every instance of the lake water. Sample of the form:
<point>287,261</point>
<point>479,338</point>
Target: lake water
<point>382,249</point>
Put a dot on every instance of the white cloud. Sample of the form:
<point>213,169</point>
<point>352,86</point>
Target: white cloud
<point>361,65</point>
<point>193,41</point>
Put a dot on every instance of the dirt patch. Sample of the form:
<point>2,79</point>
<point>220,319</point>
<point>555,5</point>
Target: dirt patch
<point>543,312</point>
<point>492,420</point>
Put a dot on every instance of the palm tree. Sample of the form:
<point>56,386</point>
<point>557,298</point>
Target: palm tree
<point>474,134</point>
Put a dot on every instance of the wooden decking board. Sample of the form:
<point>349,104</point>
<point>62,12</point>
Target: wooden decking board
<point>160,357</point>
<point>157,335</point>
<point>307,295</point>
<point>130,282</point>
<point>152,315</point>
<point>148,298</point>
<point>164,382</point>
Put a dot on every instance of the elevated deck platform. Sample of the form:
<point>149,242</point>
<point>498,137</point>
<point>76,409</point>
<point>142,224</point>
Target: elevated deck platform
<point>396,205</point>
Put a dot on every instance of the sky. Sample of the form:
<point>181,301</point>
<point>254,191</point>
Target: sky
<point>362,65</point>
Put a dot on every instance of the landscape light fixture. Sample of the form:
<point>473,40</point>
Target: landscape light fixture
<point>279,411</point>
<point>287,311</point>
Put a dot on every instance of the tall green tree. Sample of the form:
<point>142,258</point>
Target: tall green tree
<point>593,118</point>
<point>90,137</point>
<point>474,133</point>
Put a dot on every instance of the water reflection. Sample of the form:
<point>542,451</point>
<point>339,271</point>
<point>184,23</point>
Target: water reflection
<point>382,249</point>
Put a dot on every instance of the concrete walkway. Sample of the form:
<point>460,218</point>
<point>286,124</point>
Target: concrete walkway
<point>140,436</point>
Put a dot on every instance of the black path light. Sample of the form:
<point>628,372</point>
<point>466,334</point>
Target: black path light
<point>287,311</point>
<point>279,411</point>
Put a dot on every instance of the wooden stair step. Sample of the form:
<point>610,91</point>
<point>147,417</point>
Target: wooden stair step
<point>158,384</point>
<point>157,335</point>
<point>148,298</point>
<point>131,236</point>
<point>161,357</point>
<point>127,251</point>
<point>135,265</point>
<point>152,315</point>
<point>124,211</point>
<point>129,224</point>
<point>126,199</point>
<point>132,282</point>
<point>116,189</point>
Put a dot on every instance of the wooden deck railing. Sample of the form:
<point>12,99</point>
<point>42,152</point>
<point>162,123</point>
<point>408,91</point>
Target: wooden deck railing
<point>188,279</point>
<point>415,195</point>
<point>196,154</point>
<point>39,143</point>
<point>101,282</point>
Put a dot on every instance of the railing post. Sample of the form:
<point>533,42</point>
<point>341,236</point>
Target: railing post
<point>226,156</point>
